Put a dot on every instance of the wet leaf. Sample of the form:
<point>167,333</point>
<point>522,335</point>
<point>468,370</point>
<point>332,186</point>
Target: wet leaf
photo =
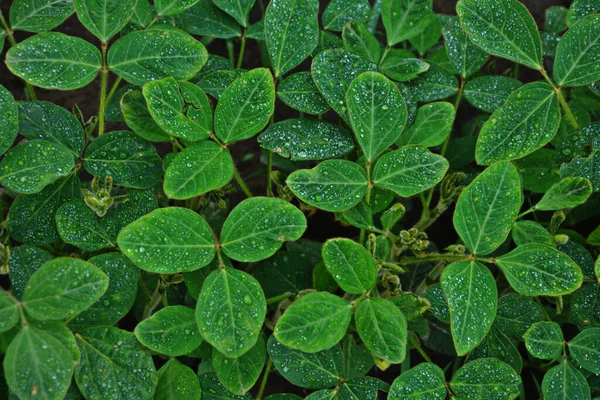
<point>432,125</point>
<point>358,361</point>
<point>579,9</point>
<point>425,381</point>
<point>438,302</point>
<point>23,262</point>
<point>9,314</point>
<point>206,19</point>
<point>350,264</point>
<point>176,381</point>
<point>466,57</point>
<point>104,18</point>
<point>585,349</point>
<point>240,374</point>
<point>578,53</point>
<point>499,346</point>
<point>486,377</point>
<point>516,314</point>
<point>401,65</point>
<point>564,381</point>
<point>77,224</point>
<point>138,118</point>
<point>524,232</point>
<point>358,39</point>
<point>544,340</point>
<point>585,167</point>
<point>172,7</point>
<point>568,193</point>
<point>139,203</point>
<point>300,92</point>
<point>339,12</point>
<point>238,9</point>
<point>490,92</point>
<point>213,389</point>
<point>39,15</point>
<point>405,19</point>
<point>434,84</point>
<point>10,111</point>
<point>429,37</point>
<point>556,20</point>
<point>215,83</point>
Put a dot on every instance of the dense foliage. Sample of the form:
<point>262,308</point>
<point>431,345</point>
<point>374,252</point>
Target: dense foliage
<point>452,161</point>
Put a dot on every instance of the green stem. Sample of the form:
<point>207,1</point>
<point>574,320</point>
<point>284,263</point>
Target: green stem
<point>103,84</point>
<point>155,299</point>
<point>418,347</point>
<point>13,42</point>
<point>567,109</point>
<point>241,183</point>
<point>524,213</point>
<point>277,299</point>
<point>442,257</point>
<point>263,383</point>
<point>113,89</point>
<point>385,53</point>
<point>367,198</point>
<point>241,53</point>
<point>269,173</point>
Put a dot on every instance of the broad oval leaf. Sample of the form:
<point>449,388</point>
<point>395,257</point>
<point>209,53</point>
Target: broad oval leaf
<point>156,53</point>
<point>585,349</point>
<point>401,65</point>
<point>172,7</point>
<point>53,60</point>
<point>504,29</point>
<point>405,19</point>
<point>489,92</point>
<point>339,12</point>
<point>9,314</point>
<point>238,9</point>
<point>104,18</point>
<point>138,118</point>
<point>409,170</point>
<point>333,185</point>
<point>176,381</point>
<point>197,170</point>
<point>245,106</point>
<point>239,374</point>
<point>350,264</point>
<point>314,322</point>
<point>206,19</point>
<point>539,270</point>
<point>62,288</point>
<point>544,340</point>
<point>300,92</point>
<point>39,15</point>
<point>432,125</point>
<point>358,39</point>
<point>488,207</point>
<point>578,53</point>
<point>465,57</point>
<point>10,112</point>
<point>258,226</point>
<point>377,113</point>
<point>77,224</point>
<point>487,378</point>
<point>472,297</point>
<point>168,240</point>
<point>230,311</point>
<point>565,382</point>
<point>516,314</point>
<point>567,193</point>
<point>424,382</point>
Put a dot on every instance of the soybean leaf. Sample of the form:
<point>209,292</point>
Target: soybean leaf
<point>172,7</point>
<point>524,232</point>
<point>405,19</point>
<point>143,13</point>
<point>472,297</point>
<point>357,359</point>
<point>503,29</point>
<point>213,389</point>
<point>579,9</point>
<point>10,111</point>
<point>23,262</point>
<point>300,92</point>
<point>104,18</point>
<point>53,60</point>
<point>539,270</point>
<point>215,83</point>
<point>466,57</point>
<point>62,288</point>
<point>360,216</point>
<point>61,333</point>
<point>350,264</point>
<point>585,349</point>
<point>130,160</point>
<point>527,121</point>
<point>486,377</point>
<point>382,328</point>
<point>564,381</point>
<point>138,118</point>
<point>434,84</point>
<point>306,139</point>
<point>409,170</point>
<point>39,15</point>
<point>489,92</point>
<point>78,225</point>
<point>377,113</point>
<point>245,106</point>
<point>258,226</point>
<point>428,36</point>
<point>584,306</point>
<point>401,65</point>
<point>314,322</point>
<point>425,381</point>
<point>536,170</point>
<point>230,311</point>
<point>30,166</point>
<point>168,240</point>
<point>516,314</point>
<point>176,381</point>
<point>206,19</point>
<point>238,9</point>
<point>238,375</point>
<point>568,193</point>
<point>488,207</point>
<point>139,203</point>
<point>556,20</point>
<point>358,39</point>
<point>577,54</point>
<point>9,314</point>
<point>585,167</point>
<point>499,346</point>
<point>339,12</point>
<point>438,304</point>
<point>544,340</point>
<point>156,53</point>
<point>432,125</point>
<point>333,185</point>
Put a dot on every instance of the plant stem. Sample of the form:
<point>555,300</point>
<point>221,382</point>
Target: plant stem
<point>442,257</point>
<point>269,174</point>
<point>361,238</point>
<point>567,109</point>
<point>103,84</point>
<point>277,299</point>
<point>418,347</point>
<point>156,298</point>
<point>263,383</point>
<point>242,49</point>
<point>526,212</point>
<point>113,89</point>
<point>13,42</point>
<point>241,183</point>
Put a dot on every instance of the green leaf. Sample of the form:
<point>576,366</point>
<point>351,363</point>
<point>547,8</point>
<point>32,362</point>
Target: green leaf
<point>114,365</point>
<point>489,92</point>
<point>350,264</point>
<point>432,125</point>
<point>258,226</point>
<point>339,12</point>
<point>568,193</point>
<point>300,92</point>
<point>39,15</point>
<point>401,65</point>
<point>377,112</point>
<point>578,53</point>
<point>424,382</point>
<point>556,20</point>
<point>171,7</point>
<point>104,18</point>
<point>524,232</point>
<point>176,381</point>
<point>10,111</point>
<point>238,9</point>
<point>488,207</point>
<point>143,14</point>
<point>238,375</point>
<point>357,359</point>
<point>585,167</point>
<point>487,378</point>
<point>411,306</point>
<point>138,118</point>
<point>536,170</point>
<point>429,37</point>
<point>23,262</point>
<point>62,288</point>
<point>466,57</point>
<point>53,60</point>
<point>539,270</point>
<point>585,309</point>
<point>245,106</point>
<point>318,370</point>
<point>472,299</point>
<point>585,349</point>
<point>527,121</point>
<point>314,322</point>
<point>497,345</point>
<point>30,166</point>
<point>544,340</point>
<point>503,29</point>
<point>37,365</point>
<point>171,331</point>
<point>382,328</point>
<point>156,53</point>
<point>434,84</point>
<point>333,185</point>
<point>61,333</point>
<point>213,389</point>
<point>77,224</point>
<point>358,39</point>
<point>565,382</point>
<point>405,19</point>
<point>438,302</point>
<point>168,240</point>
<point>130,160</point>
<point>306,139</point>
<point>230,312</point>
<point>206,19</point>
<point>579,9</point>
<point>409,170</point>
<point>333,71</point>
<point>9,314</point>
<point>516,314</point>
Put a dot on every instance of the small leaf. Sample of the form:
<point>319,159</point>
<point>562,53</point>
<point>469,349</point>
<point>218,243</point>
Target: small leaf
<point>238,9</point>
<point>539,270</point>
<point>489,92</point>
<point>300,92</point>
<point>409,170</point>
<point>438,302</point>
<point>578,53</point>
<point>428,37</point>
<point>171,7</point>
<point>314,322</point>
<point>358,39</point>
<point>206,19</point>
<point>245,106</point>
<point>405,19</point>
<point>564,381</point>
<point>339,12</point>
<point>411,306</point>
<point>333,185</point>
<point>9,314</point>
<point>139,203</point>
<point>238,375</point>
<point>104,18</point>
<point>434,84</point>
<point>568,193</point>
<point>425,381</point>
<point>497,345</point>
<point>585,167</point>
<point>544,340</point>
<point>138,118</point>
<point>579,9</point>
<point>516,314</point>
<point>350,264</point>
<point>556,20</point>
<point>401,65</point>
<point>230,312</point>
<point>466,57</point>
<point>39,15</point>
<point>585,306</point>
<point>10,111</point>
<point>62,288</point>
<point>524,232</point>
<point>176,381</point>
<point>77,224</point>
<point>213,389</point>
<point>487,378</point>
<point>258,226</point>
<point>168,240</point>
<point>432,125</point>
<point>215,83</point>
<point>23,262</point>
<point>585,349</point>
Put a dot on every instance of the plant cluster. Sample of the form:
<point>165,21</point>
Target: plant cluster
<point>134,270</point>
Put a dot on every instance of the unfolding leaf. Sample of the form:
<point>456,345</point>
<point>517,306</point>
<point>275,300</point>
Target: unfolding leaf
<point>239,374</point>
<point>300,92</point>
<point>104,18</point>
<point>39,15</point>
<point>176,381</point>
<point>489,92</point>
<point>466,57</point>
<point>339,12</point>
<point>405,19</point>
<point>78,224</point>
<point>564,381</point>
<point>544,340</point>
<point>487,378</point>
<point>432,125</point>
<point>425,381</point>
<point>350,264</point>
<point>585,349</point>
<point>10,112</point>
<point>577,54</point>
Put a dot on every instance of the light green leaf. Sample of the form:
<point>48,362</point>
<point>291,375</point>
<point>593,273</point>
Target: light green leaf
<point>516,314</point>
<point>568,193</point>
<point>156,53</point>
<point>579,9</point>
<point>405,19</point>
<point>104,18</point>
<point>314,322</point>
<point>539,270</point>
<point>9,314</point>
<point>333,185</point>
<point>377,112</point>
<point>544,340</point>
<point>432,125</point>
<point>171,7</point>
<point>504,29</point>
<point>434,84</point>
<point>411,306</point>
<point>77,224</point>
<point>238,9</point>
<point>39,15</point>
<point>350,264</point>
<point>358,39</point>
<point>565,382</point>
<point>230,312</point>
<point>10,112</point>
<point>238,375</point>
<point>578,54</point>
<point>488,207</point>
<point>245,106</point>
<point>585,349</point>
<point>53,60</point>
<point>489,92</point>
<point>524,232</point>
<point>472,297</point>
<point>206,19</point>
<point>176,382</point>
<point>409,170</point>
<point>300,92</point>
<point>168,240</point>
<point>424,382</point>
<point>138,118</point>
<point>401,65</point>
<point>339,12</point>
<point>487,378</point>
<point>466,57</point>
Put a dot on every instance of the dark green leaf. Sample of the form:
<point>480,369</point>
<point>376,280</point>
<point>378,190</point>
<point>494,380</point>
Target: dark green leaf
<point>434,84</point>
<point>585,349</point>
<point>10,111</point>
<point>516,314</point>
<point>524,232</point>
<point>405,19</point>
<point>544,340</point>
<point>428,36</point>
<point>172,7</point>
<point>360,216</point>
<point>577,54</point>
<point>536,170</point>
<point>206,19</point>
<point>556,20</point>
<point>358,39</point>
<point>565,382</point>
<point>568,193</point>
<point>215,83</point>
<point>238,9</point>
<point>497,345</point>
<point>579,9</point>
<point>300,92</point>
<point>23,262</point>
<point>432,125</point>
<point>176,382</point>
<point>401,65</point>
<point>39,15</point>
<point>438,302</point>
<point>213,389</point>
<point>585,306</point>
<point>489,92</point>
<point>350,264</point>
<point>585,167</point>
<point>238,375</point>
<point>139,203</point>
<point>9,314</point>
<point>357,359</point>
<point>104,18</point>
<point>424,382</point>
<point>78,225</point>
<point>138,118</point>
<point>339,12</point>
<point>487,378</point>
<point>466,57</point>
